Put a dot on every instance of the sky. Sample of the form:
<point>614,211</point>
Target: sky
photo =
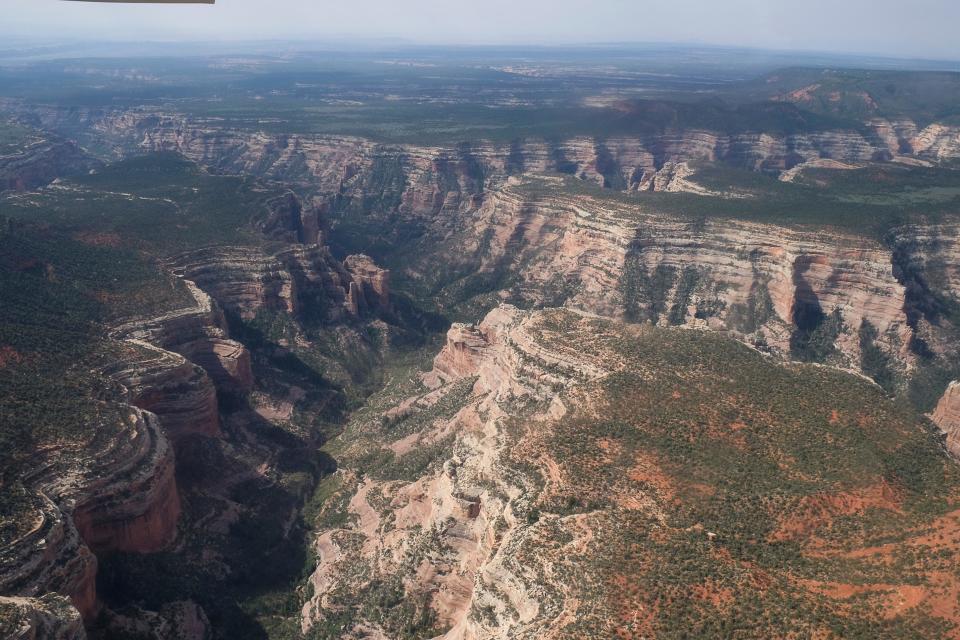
<point>919,28</point>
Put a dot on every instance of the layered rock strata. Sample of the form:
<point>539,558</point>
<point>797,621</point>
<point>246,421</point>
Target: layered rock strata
<point>469,506</point>
<point>298,279</point>
<point>331,163</point>
<point>756,280</point>
<point>118,494</point>
<point>41,162</point>
<point>199,334</point>
<point>48,618</point>
<point>946,415</point>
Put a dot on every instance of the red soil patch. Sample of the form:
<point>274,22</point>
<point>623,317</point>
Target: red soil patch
<point>711,592</point>
<point>9,355</point>
<point>647,470</point>
<point>631,610</point>
<point>894,600</point>
<point>834,417</point>
<point>104,239</point>
<point>941,534</point>
<point>817,511</point>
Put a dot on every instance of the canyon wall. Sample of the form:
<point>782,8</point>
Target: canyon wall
<point>299,279</point>
<point>328,163</point>
<point>48,618</point>
<point>624,162</point>
<point>758,281</point>
<point>473,506</point>
<point>115,493</point>
<point>946,416</point>
<point>40,162</point>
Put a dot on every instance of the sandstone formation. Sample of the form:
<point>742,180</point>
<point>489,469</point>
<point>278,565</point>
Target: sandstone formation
<point>755,280</point>
<point>370,287</point>
<point>288,220</point>
<point>509,531</point>
<point>48,618</point>
<point>471,500</point>
<point>298,279</point>
<point>748,278</point>
<point>40,162</point>
<point>329,163</point>
<point>179,392</point>
<point>199,334</point>
<point>947,417</point>
<point>120,496</point>
<point>620,161</point>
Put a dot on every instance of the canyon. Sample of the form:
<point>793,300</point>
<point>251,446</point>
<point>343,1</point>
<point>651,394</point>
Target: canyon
<point>644,381</point>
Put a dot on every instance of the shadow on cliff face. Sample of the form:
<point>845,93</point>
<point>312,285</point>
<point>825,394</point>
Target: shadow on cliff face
<point>921,302</point>
<point>815,332</point>
<point>933,316</point>
<point>243,548</point>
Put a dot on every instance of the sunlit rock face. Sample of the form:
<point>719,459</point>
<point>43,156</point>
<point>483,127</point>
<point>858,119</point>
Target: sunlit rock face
<point>199,334</point>
<point>124,498</point>
<point>947,416</point>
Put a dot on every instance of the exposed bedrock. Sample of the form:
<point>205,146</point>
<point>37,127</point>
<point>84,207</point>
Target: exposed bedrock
<point>947,417</point>
<point>456,174</point>
<point>926,260</point>
<point>118,494</point>
<point>167,384</point>
<point>756,280</point>
<point>40,163</point>
<point>299,279</point>
<point>199,334</point>
<point>372,290</point>
<point>139,508</point>
<point>289,220</point>
<point>50,617</point>
<point>472,506</point>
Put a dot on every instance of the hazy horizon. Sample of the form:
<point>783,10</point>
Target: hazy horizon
<point>859,27</point>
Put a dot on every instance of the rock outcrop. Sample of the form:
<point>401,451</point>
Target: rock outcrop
<point>627,162</point>
<point>50,617</point>
<point>947,416</point>
<point>178,391</point>
<point>118,494</point>
<point>422,177</point>
<point>300,279</point>
<point>471,500</point>
<point>552,455</point>
<point>137,510</point>
<point>760,281</point>
<point>199,334</point>
<point>370,287</point>
<point>40,162</point>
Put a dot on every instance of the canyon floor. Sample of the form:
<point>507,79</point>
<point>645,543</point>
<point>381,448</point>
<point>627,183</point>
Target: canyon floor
<point>494,348</point>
